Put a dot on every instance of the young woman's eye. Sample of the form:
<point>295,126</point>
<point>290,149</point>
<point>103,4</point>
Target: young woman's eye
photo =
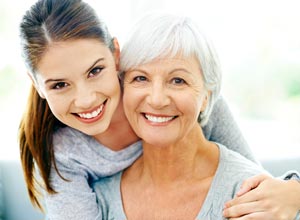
<point>59,85</point>
<point>140,79</point>
<point>95,71</point>
<point>178,81</point>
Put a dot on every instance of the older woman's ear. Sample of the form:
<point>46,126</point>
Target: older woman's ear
<point>205,101</point>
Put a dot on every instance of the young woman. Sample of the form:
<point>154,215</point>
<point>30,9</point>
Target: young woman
<point>74,130</point>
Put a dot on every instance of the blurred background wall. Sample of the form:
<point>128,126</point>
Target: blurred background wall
<point>258,43</point>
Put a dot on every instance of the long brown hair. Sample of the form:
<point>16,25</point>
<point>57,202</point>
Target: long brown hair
<point>49,21</point>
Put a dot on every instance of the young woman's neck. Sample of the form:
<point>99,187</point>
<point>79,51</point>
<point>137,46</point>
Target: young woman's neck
<point>119,134</point>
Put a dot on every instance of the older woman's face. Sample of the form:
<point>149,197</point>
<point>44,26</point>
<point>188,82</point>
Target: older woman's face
<point>163,98</point>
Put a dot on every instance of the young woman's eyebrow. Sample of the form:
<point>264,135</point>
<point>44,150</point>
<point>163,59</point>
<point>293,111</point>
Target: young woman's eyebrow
<point>53,80</point>
<point>88,70</point>
<point>92,66</point>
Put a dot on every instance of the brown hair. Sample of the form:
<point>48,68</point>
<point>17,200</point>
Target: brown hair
<point>45,22</point>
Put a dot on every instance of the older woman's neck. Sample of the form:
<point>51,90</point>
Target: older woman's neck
<point>184,160</point>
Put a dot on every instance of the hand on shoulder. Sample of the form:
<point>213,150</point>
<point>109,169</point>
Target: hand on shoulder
<point>263,197</point>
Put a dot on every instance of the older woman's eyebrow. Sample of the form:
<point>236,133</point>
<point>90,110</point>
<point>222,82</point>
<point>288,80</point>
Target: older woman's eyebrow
<point>180,70</point>
<point>137,70</point>
<point>170,72</point>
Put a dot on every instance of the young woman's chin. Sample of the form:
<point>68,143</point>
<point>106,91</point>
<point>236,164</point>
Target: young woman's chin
<point>91,129</point>
<point>94,131</point>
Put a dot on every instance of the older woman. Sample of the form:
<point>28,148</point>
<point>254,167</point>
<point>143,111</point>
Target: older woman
<point>172,78</point>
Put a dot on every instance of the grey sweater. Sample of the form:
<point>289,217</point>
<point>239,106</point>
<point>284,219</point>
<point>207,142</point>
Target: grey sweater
<point>82,160</point>
<point>232,170</point>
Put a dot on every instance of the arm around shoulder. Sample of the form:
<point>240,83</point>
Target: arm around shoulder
<point>271,198</point>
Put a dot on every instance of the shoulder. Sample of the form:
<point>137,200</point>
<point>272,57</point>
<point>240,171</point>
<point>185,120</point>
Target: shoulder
<point>232,170</point>
<point>234,162</point>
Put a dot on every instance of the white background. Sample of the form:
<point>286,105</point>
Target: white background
<point>258,42</point>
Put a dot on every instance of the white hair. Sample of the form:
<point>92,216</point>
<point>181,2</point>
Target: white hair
<point>159,35</point>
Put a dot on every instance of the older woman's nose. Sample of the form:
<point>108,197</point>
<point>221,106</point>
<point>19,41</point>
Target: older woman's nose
<point>158,96</point>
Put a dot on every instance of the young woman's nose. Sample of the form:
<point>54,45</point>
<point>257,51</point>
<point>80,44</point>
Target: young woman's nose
<point>158,96</point>
<point>85,97</point>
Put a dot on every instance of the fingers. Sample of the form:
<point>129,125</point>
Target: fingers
<point>257,216</point>
<point>251,183</point>
<point>271,199</point>
<point>249,197</point>
<point>242,209</point>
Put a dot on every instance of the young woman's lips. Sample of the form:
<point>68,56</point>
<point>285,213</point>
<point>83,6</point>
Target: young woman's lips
<point>93,115</point>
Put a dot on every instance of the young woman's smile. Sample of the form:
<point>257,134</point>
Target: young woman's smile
<point>93,115</point>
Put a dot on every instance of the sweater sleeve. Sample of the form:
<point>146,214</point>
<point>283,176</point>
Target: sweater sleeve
<point>222,128</point>
<point>298,216</point>
<point>80,160</point>
<point>74,198</point>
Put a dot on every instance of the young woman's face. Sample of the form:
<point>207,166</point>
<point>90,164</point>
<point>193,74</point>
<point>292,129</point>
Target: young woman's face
<point>162,99</point>
<point>79,80</point>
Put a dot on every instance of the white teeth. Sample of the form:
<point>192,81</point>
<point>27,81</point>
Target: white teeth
<point>158,119</point>
<point>92,114</point>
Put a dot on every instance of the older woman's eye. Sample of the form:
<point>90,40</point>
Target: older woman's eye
<point>140,79</point>
<point>178,81</point>
<point>95,71</point>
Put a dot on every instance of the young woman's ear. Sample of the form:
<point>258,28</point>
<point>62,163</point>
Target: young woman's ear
<point>35,84</point>
<point>116,52</point>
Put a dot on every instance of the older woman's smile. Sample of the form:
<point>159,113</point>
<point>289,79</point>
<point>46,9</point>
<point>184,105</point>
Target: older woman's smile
<point>158,118</point>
